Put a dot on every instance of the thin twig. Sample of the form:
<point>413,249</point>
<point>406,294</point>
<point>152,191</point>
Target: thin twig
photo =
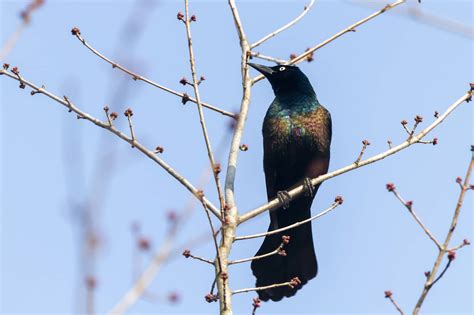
<point>292,283</point>
<point>278,251</point>
<point>409,206</point>
<point>188,254</point>
<point>129,114</point>
<point>281,29</point>
<point>348,29</point>
<point>121,135</point>
<point>464,243</point>
<point>332,207</point>
<point>268,58</point>
<point>389,295</point>
<point>136,76</point>
<point>210,154</point>
<point>274,203</point>
<point>365,144</point>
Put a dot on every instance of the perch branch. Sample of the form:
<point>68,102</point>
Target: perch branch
<point>274,203</point>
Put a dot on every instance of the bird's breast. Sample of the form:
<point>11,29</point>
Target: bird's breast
<point>290,132</point>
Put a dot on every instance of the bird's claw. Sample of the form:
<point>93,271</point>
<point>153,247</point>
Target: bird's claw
<point>308,187</point>
<point>285,198</point>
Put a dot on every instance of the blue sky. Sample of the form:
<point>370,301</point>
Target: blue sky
<point>391,68</point>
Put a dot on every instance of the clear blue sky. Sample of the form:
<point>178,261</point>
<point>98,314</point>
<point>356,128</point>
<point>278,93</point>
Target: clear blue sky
<point>392,68</point>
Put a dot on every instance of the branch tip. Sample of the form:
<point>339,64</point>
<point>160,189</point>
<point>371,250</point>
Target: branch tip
<point>75,31</point>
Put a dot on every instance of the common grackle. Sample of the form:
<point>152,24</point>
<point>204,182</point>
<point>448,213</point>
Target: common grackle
<point>296,141</point>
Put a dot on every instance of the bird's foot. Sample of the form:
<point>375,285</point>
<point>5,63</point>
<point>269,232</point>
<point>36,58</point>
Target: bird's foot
<point>308,187</point>
<point>285,198</point>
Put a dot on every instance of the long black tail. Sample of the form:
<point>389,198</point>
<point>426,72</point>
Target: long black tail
<point>300,260</point>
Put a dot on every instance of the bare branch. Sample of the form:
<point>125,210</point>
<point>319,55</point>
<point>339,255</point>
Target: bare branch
<point>409,206</point>
<point>465,242</point>
<point>389,295</point>
<point>210,154</point>
<point>348,29</point>
<point>278,251</point>
<point>149,153</point>
<point>332,207</point>
<point>365,144</point>
<point>268,58</point>
<point>187,254</point>
<point>281,29</point>
<point>292,283</point>
<point>274,203</point>
<point>136,76</point>
<point>129,114</point>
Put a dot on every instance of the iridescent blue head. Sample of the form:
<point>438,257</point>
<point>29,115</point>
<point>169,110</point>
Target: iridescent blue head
<point>286,80</point>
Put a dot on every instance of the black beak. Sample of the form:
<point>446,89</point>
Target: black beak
<point>266,71</point>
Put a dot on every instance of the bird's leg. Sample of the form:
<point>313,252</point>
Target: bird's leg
<point>285,198</point>
<point>308,187</point>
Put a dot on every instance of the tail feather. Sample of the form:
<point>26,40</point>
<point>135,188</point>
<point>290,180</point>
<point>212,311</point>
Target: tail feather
<point>300,260</point>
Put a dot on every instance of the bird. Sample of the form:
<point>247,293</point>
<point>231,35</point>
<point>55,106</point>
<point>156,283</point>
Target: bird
<point>297,133</point>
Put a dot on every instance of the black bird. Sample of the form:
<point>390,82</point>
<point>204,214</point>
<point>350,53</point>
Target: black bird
<point>296,140</point>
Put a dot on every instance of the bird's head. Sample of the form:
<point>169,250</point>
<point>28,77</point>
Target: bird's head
<point>285,79</point>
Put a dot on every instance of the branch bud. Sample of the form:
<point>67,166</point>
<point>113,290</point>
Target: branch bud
<point>75,31</point>
<point>390,186</point>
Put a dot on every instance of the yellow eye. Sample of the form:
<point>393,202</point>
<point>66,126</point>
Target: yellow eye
<point>282,68</point>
